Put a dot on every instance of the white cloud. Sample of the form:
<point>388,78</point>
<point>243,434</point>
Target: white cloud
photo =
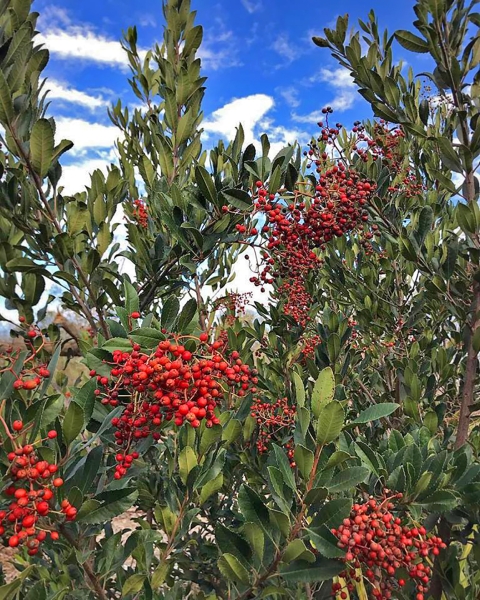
<point>286,49</point>
<point>252,6</point>
<point>346,92</point>
<point>85,134</point>
<point>65,93</point>
<point>219,50</point>
<point>248,111</point>
<point>147,20</point>
<point>82,43</point>
<point>290,95</point>
<point>77,175</point>
<point>251,112</point>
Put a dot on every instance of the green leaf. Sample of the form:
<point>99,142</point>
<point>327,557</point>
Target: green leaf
<point>378,411</point>
<point>325,542</point>
<point>160,574</point>
<point>440,501</point>
<point>238,198</point>
<point>254,534</point>
<point>425,222</point>
<point>186,315</point>
<point>10,590</point>
<point>7,112</point>
<point>299,389</point>
<point>411,42</point>
<point>284,466</point>
<point>330,422</point>
<point>304,572</point>
<point>233,569</point>
<point>448,155</point>
<point>228,540</point>
<point>106,506</point>
<point>251,506</point>
<point>117,343</point>
<point>187,460</point>
<point>146,337</point>
<point>133,584</point>
<point>304,459</point>
<point>332,513</point>
<point>323,390</point>
<point>131,298</point>
<point>294,550</point>
<point>41,146</point>
<point>170,311</point>
<point>348,479</point>
<point>205,183</point>
<point>320,42</point>
<point>212,486</point>
<point>275,180</point>
<point>73,422</point>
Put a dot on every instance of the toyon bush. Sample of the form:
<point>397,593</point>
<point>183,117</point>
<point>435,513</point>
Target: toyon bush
<point>324,444</point>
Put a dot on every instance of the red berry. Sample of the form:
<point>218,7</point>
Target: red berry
<point>17,425</point>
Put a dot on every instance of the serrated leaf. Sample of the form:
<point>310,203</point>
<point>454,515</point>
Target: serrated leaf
<point>41,146</point>
<point>333,513</point>
<point>323,390</point>
<point>378,411</point>
<point>411,42</point>
<point>169,311</point>
<point>348,479</point>
<point>330,422</point>
<point>305,572</point>
<point>187,460</point>
<point>304,459</point>
<point>133,584</point>
<point>73,422</point>
<point>232,569</point>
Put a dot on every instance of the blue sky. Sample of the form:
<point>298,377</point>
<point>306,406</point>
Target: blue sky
<point>261,65</point>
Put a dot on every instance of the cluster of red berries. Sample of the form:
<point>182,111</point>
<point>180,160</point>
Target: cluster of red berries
<point>275,421</point>
<point>309,344</point>
<point>171,383</point>
<point>381,545</point>
<point>299,226</point>
<point>234,304</point>
<point>24,520</point>
<point>386,144</point>
<point>140,213</point>
<point>33,372</point>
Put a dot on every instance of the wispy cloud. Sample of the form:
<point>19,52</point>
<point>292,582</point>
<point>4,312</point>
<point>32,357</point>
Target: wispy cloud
<point>220,48</point>
<point>290,95</point>
<point>252,6</point>
<point>287,49</point>
<point>346,92</point>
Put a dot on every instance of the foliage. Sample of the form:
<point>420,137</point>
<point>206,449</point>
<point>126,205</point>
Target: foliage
<point>248,450</point>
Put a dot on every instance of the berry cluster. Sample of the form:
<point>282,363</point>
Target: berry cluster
<point>33,371</point>
<point>140,213</point>
<point>386,143</point>
<point>25,520</point>
<point>309,344</point>
<point>234,304</point>
<point>275,421</point>
<point>171,383</point>
<point>381,545</point>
